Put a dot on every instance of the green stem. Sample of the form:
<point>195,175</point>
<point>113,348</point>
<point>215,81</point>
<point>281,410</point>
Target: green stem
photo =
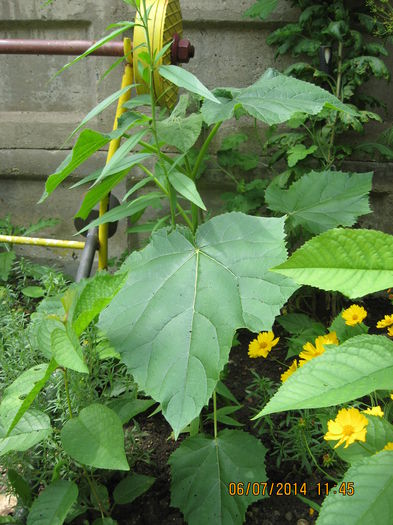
<point>316,462</point>
<point>215,414</point>
<point>67,391</point>
<point>204,149</point>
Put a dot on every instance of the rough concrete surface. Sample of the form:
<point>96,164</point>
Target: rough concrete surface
<point>38,111</point>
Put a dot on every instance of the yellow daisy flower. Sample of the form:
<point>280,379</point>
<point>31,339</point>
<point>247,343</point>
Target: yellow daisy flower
<point>391,397</point>
<point>354,315</point>
<point>310,351</point>
<point>348,427</point>
<point>386,321</point>
<point>290,371</point>
<point>388,446</point>
<point>390,331</point>
<point>374,411</point>
<point>261,346</point>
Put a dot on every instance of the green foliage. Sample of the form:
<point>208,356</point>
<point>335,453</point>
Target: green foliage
<point>131,488</point>
<point>371,502</point>
<point>320,201</point>
<point>355,368</point>
<point>185,372</point>
<point>353,262</point>
<point>202,469</point>
<point>53,504</point>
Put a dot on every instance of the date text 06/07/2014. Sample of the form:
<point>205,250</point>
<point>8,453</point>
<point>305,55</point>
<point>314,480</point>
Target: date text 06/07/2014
<point>265,488</point>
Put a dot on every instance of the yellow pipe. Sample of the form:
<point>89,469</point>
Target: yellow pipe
<point>113,147</point>
<point>36,241</point>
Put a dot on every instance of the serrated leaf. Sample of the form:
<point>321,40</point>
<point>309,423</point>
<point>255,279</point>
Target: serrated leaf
<point>88,142</point>
<point>165,322</point>
<point>95,296</point>
<point>131,487</point>
<point>33,427</point>
<point>298,323</point>
<point>44,332</point>
<point>184,79</point>
<point>274,99</point>
<point>261,9</point>
<point>353,262</point>
<point>342,373</point>
<point>203,467</point>
<point>6,260</point>
<point>319,201</point>
<point>372,480</point>
<point>96,438</point>
<point>186,187</point>
<point>299,152</point>
<point>67,351</point>
<point>53,504</point>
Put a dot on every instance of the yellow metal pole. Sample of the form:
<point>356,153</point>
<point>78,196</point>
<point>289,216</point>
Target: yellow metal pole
<point>36,241</point>
<point>113,146</point>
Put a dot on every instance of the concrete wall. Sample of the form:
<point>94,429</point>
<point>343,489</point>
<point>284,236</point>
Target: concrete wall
<point>38,113</point>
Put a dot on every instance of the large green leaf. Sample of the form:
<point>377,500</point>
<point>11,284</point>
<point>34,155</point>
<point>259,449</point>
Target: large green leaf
<point>353,262</point>
<point>322,200</point>
<point>173,321</point>
<point>342,373</point>
<point>372,501</point>
<point>181,132</point>
<point>96,438</point>
<point>88,142</point>
<point>53,504</point>
<point>18,397</point>
<point>273,99</point>
<point>202,469</point>
<point>98,293</point>
<point>33,427</point>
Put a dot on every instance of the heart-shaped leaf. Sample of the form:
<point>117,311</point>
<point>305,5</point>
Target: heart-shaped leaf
<point>53,504</point>
<point>96,438</point>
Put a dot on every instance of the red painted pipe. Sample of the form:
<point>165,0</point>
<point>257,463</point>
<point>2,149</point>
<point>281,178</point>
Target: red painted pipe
<point>58,47</point>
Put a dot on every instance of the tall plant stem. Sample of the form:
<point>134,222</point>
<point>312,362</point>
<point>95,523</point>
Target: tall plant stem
<point>316,462</point>
<point>215,414</point>
<point>204,149</point>
<point>67,391</point>
<point>338,95</point>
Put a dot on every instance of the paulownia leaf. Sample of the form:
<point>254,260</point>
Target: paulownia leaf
<point>67,350</point>
<point>372,501</point>
<point>180,132</point>
<point>53,504</point>
<point>96,438</point>
<point>319,201</point>
<point>273,99</point>
<point>353,262</point>
<point>203,467</point>
<point>173,321</point>
<point>342,373</point>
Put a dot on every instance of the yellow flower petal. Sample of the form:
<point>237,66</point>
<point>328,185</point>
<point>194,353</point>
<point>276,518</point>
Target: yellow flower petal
<point>374,411</point>
<point>386,321</point>
<point>354,315</point>
<point>290,371</point>
<point>348,427</point>
<point>388,446</point>
<point>261,346</point>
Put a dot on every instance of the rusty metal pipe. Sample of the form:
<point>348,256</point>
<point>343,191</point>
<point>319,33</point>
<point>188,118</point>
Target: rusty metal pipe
<point>22,46</point>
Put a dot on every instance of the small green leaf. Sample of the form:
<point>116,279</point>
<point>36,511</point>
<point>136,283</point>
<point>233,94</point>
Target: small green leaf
<point>261,9</point>
<point>299,152</point>
<point>67,351</point>
<point>180,132</point>
<point>353,262</point>
<point>33,291</point>
<point>88,142</point>
<point>96,438</point>
<point>202,469</point>
<point>44,332</point>
<point>53,504</point>
<point>131,487</point>
<point>127,408</point>
<point>95,296</point>
<point>20,486</point>
<point>184,79</point>
<point>342,373</point>
<point>186,187</point>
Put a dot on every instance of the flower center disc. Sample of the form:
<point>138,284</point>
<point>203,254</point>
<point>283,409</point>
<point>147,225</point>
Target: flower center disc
<point>348,430</point>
